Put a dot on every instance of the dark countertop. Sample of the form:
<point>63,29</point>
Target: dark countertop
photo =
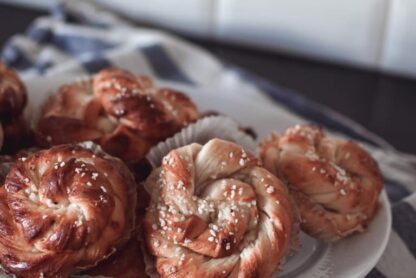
<point>382,103</point>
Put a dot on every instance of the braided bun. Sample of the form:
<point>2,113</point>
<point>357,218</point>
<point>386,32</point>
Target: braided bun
<point>335,183</point>
<point>215,213</point>
<point>123,113</point>
<point>64,209</point>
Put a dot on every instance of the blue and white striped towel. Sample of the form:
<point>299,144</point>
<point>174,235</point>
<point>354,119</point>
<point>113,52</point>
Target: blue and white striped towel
<point>80,38</point>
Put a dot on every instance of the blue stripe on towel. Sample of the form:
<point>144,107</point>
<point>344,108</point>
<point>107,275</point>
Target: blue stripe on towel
<point>77,45</point>
<point>395,191</point>
<point>60,12</point>
<point>94,64</point>
<point>73,45</point>
<point>40,35</point>
<point>404,223</point>
<point>42,66</point>
<point>15,58</point>
<point>163,65</point>
<point>300,105</point>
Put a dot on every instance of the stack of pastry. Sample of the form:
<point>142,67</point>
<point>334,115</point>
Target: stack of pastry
<point>70,207</point>
<point>214,209</point>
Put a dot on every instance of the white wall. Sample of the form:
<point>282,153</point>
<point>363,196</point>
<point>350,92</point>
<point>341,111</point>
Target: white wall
<point>369,33</point>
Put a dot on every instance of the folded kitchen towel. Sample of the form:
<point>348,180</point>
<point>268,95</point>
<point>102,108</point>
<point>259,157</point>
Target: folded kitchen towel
<point>79,38</point>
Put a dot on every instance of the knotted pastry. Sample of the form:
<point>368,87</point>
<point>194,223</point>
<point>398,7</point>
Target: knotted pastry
<point>63,210</point>
<point>335,183</point>
<point>13,99</point>
<point>124,113</point>
<point>215,213</point>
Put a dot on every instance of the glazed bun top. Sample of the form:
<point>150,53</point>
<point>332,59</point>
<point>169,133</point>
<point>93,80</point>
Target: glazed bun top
<point>124,113</point>
<point>335,182</point>
<point>64,209</point>
<point>214,210</point>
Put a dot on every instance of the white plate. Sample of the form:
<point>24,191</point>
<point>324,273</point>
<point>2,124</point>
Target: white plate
<point>352,257</point>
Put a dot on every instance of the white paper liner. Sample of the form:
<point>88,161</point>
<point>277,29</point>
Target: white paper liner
<point>201,132</point>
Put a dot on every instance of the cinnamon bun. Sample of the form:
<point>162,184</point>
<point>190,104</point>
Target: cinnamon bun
<point>335,183</point>
<point>215,213</point>
<point>63,210</point>
<point>124,113</point>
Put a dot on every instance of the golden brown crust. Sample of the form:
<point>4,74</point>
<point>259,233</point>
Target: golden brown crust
<point>123,113</point>
<point>215,213</point>
<point>335,183</point>
<point>64,209</point>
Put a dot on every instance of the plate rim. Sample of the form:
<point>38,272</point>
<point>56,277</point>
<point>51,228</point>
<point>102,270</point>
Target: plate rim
<point>376,258</point>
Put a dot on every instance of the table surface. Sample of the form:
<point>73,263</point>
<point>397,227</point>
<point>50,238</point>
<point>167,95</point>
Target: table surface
<point>382,103</point>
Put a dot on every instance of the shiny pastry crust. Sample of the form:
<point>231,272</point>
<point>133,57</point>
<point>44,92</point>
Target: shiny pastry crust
<point>335,183</point>
<point>123,113</point>
<point>13,95</point>
<point>215,213</point>
<point>62,210</point>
